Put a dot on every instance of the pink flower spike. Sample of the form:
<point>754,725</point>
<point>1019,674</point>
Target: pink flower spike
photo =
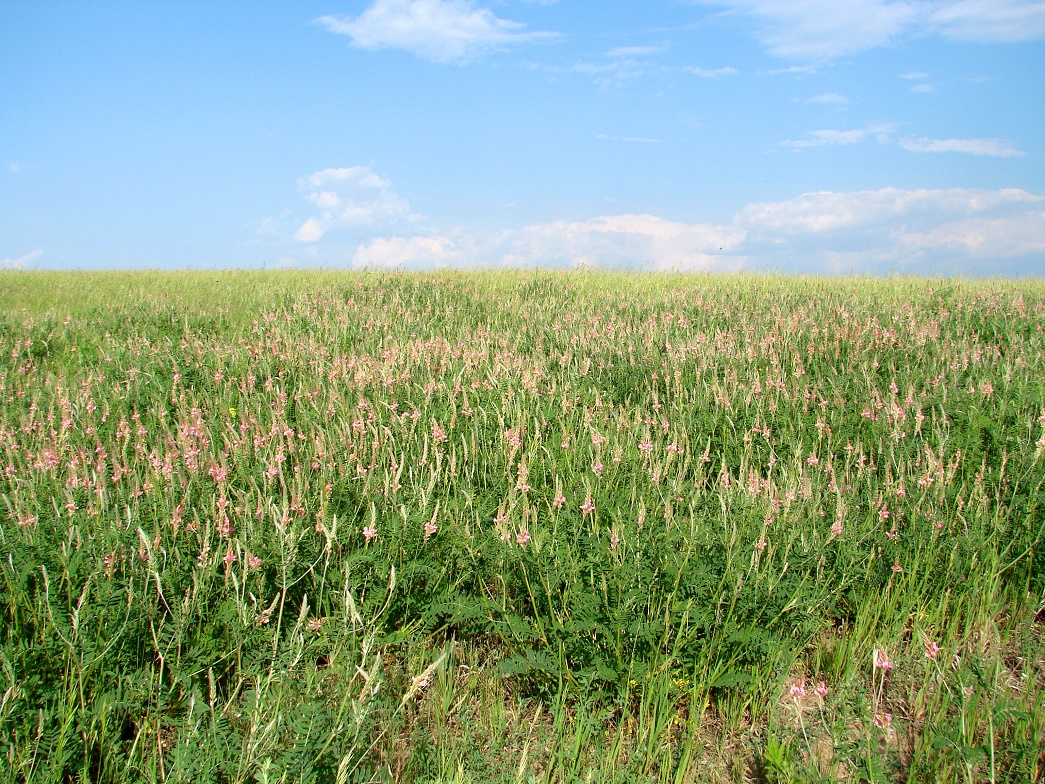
<point>821,689</point>
<point>587,507</point>
<point>931,649</point>
<point>369,533</point>
<point>522,538</point>
<point>430,528</point>
<point>881,660</point>
<point>230,558</point>
<point>799,689</point>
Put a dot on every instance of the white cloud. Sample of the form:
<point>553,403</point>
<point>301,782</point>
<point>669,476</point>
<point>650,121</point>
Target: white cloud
<point>998,148</point>
<point>310,231</point>
<point>709,73</point>
<point>634,139</point>
<point>16,167</point>
<point>413,252</point>
<point>829,98</point>
<point>934,231</point>
<point>612,241</point>
<point>22,262</point>
<point>924,87</point>
<point>881,132</point>
<point>634,51</point>
<point>982,238</point>
<point>820,138</point>
<point>914,75</point>
<point>443,31</point>
<point>825,211</point>
<point>826,29</point>
<point>624,241</point>
<point>990,21</point>
<point>350,197</point>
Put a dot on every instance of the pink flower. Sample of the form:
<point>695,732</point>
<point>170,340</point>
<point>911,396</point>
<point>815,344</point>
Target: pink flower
<point>821,689</point>
<point>881,660</point>
<point>230,557</point>
<point>253,561</point>
<point>560,499</point>
<point>522,538</point>
<point>587,507</point>
<point>897,568</point>
<point>369,533</point>
<point>931,649</point>
<point>430,528</point>
<point>799,689</point>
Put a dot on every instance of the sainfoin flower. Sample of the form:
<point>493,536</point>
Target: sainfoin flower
<point>799,689</point>
<point>522,538</point>
<point>881,660</point>
<point>369,533</point>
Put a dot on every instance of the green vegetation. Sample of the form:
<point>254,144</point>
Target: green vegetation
<point>520,527</point>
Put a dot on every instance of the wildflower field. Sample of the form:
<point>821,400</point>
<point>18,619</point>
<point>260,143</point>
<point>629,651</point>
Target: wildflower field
<point>520,527</point>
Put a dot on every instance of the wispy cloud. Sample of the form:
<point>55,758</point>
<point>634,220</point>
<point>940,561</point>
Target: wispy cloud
<point>826,29</point>
<point>924,87</point>
<point>998,148</point>
<point>16,167</point>
<point>914,75</point>
<point>709,73</point>
<point>443,31</point>
<point>945,230</point>
<point>823,29</point>
<point>936,231</point>
<point>22,262</point>
<point>881,132</point>
<point>884,133</point>
<point>634,139</point>
<point>349,197</point>
<point>989,21</point>
<point>624,241</point>
<point>435,250</point>
<point>829,98</point>
<point>634,51</point>
<point>827,136</point>
<point>827,211</point>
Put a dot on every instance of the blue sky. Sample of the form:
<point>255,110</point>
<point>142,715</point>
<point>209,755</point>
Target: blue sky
<point>827,136</point>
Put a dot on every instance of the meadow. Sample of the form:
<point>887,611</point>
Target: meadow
<point>520,527</point>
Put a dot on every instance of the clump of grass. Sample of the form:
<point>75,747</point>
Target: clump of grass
<point>517,526</point>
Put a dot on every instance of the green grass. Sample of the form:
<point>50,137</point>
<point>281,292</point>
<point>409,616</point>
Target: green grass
<point>556,527</point>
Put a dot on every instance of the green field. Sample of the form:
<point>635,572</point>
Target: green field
<point>520,527</point>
